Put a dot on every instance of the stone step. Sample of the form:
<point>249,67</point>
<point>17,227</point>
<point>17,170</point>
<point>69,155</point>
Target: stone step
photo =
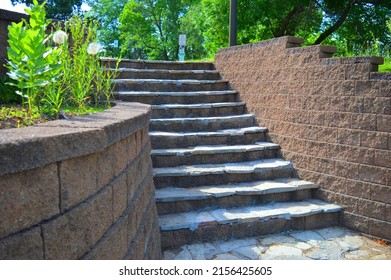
<point>213,154</point>
<point>202,124</point>
<point>225,224</point>
<point>131,73</point>
<point>217,174</point>
<point>195,97</point>
<point>238,136</point>
<point>198,110</point>
<point>148,64</point>
<point>173,200</point>
<point>158,85</point>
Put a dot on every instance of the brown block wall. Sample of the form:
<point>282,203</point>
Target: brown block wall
<point>6,17</point>
<point>79,189</point>
<point>331,116</point>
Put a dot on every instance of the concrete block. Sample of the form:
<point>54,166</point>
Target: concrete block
<point>23,246</point>
<point>78,178</point>
<point>120,196</point>
<point>73,234</point>
<point>27,198</point>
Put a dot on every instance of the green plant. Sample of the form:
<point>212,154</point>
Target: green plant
<point>103,85</point>
<point>80,68</point>
<point>32,62</point>
<point>86,81</point>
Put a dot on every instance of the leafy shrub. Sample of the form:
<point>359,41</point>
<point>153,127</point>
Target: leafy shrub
<point>32,63</point>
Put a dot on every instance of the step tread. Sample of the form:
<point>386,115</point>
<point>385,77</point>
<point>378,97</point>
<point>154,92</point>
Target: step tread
<point>171,194</point>
<point>168,81</point>
<point>208,169</point>
<point>184,71</point>
<point>162,62</point>
<point>283,210</point>
<point>198,106</point>
<point>176,93</point>
<point>202,119</point>
<point>223,132</point>
<point>215,149</point>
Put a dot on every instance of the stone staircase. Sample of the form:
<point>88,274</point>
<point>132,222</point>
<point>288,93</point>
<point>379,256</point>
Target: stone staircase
<point>216,176</point>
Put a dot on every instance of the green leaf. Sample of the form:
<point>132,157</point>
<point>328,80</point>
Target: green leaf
<point>15,75</point>
<point>21,94</point>
<point>41,83</point>
<point>11,84</point>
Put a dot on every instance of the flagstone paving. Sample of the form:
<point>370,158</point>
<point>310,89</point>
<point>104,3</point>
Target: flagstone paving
<point>334,243</point>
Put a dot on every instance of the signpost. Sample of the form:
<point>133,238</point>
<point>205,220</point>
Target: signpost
<point>233,15</point>
<point>182,46</point>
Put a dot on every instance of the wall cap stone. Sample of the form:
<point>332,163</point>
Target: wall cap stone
<point>293,46</point>
<point>32,147</point>
<point>380,76</point>
<point>289,41</point>
<point>375,60</point>
<point>314,48</point>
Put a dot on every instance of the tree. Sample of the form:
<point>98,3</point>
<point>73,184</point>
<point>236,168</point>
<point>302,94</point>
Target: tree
<point>107,13</point>
<point>192,24</point>
<point>257,20</point>
<point>151,28</point>
<point>216,24</point>
<point>56,9</point>
<point>354,24</point>
<point>338,12</point>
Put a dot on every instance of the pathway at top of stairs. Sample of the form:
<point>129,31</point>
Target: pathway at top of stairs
<point>217,177</point>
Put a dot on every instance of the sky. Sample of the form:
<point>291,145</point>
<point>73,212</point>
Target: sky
<point>6,5</point>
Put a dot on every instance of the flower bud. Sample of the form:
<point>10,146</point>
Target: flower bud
<point>60,37</point>
<point>94,48</point>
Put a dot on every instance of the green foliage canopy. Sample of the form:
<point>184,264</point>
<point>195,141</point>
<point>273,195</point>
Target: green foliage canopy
<point>106,13</point>
<point>353,25</point>
<point>56,9</point>
<point>151,28</point>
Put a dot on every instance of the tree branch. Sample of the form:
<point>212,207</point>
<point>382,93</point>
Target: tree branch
<point>337,24</point>
<point>284,26</point>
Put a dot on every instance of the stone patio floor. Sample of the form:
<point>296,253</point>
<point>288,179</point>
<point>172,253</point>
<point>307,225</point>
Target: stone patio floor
<point>334,243</point>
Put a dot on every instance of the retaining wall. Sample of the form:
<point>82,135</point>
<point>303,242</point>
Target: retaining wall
<point>79,188</point>
<point>331,116</point>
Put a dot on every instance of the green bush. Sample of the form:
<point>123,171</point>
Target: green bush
<point>32,63</point>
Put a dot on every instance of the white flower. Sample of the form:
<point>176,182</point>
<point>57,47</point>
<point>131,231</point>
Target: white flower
<point>59,37</point>
<point>94,48</point>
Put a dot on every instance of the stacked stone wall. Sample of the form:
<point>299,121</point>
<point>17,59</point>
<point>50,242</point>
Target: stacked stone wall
<point>331,116</point>
<point>80,188</point>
